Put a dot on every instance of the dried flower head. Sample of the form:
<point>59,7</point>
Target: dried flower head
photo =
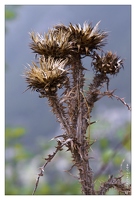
<point>87,38</point>
<point>108,64</point>
<point>84,39</point>
<point>67,41</point>
<point>47,78</point>
<point>51,44</point>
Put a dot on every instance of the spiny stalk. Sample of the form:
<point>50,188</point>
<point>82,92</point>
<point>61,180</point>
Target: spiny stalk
<point>60,77</point>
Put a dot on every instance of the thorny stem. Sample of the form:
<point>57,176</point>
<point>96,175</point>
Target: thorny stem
<point>80,153</point>
<point>85,172</point>
<point>49,159</point>
<point>122,100</point>
<point>79,98</point>
<point>115,183</point>
<point>58,110</point>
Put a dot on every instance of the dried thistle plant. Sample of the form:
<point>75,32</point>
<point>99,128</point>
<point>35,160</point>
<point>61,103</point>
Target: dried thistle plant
<point>60,52</point>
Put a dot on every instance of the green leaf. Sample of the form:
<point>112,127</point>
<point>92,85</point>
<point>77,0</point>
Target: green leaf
<point>104,143</point>
<point>14,132</point>
<point>117,160</point>
<point>127,142</point>
<point>127,137</point>
<point>107,155</point>
<point>9,15</point>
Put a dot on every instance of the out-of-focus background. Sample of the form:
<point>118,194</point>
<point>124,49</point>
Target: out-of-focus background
<point>29,122</point>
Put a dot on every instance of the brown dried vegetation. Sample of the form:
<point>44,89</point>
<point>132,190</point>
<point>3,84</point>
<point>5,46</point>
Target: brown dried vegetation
<point>60,52</point>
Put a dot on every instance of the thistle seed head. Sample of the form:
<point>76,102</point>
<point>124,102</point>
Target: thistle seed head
<point>54,44</point>
<point>108,64</point>
<point>68,41</point>
<point>47,78</point>
<point>84,39</point>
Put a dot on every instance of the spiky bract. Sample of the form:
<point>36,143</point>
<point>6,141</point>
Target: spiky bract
<point>87,38</point>
<point>47,78</point>
<point>50,44</point>
<point>84,39</point>
<point>68,41</point>
<point>108,63</point>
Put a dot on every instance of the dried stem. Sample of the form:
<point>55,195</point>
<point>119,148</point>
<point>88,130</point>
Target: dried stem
<point>49,159</point>
<point>85,172</point>
<point>115,183</point>
<point>80,152</point>
<point>59,111</point>
<point>122,101</point>
<point>61,50</point>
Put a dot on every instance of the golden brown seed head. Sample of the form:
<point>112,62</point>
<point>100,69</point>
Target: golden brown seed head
<point>108,64</point>
<point>67,41</point>
<point>44,79</point>
<point>86,38</point>
<point>52,44</point>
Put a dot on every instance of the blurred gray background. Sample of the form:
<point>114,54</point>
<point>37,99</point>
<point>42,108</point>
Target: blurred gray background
<point>27,109</point>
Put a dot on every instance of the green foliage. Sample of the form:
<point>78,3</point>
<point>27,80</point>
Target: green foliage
<point>124,134</point>
<point>21,167</point>
<point>12,134</point>
<point>9,14</point>
<point>60,188</point>
<point>107,156</point>
<point>117,160</point>
<point>112,191</point>
<point>16,154</point>
<point>104,143</point>
<point>127,138</point>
